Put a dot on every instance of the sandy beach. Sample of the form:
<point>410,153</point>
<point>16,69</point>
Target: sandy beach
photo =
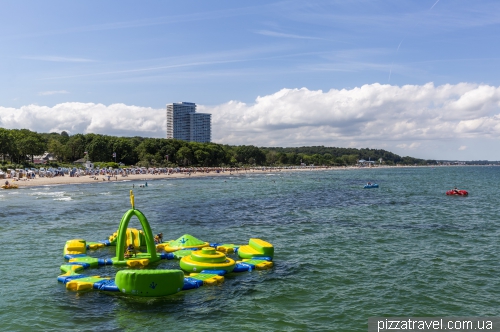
<point>61,180</point>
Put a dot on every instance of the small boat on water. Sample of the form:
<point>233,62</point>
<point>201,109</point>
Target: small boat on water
<point>9,186</point>
<point>457,192</point>
<point>370,185</point>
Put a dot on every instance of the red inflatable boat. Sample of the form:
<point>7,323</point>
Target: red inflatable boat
<point>457,192</point>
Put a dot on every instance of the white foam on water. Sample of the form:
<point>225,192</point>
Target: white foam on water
<point>44,187</point>
<point>40,194</point>
<point>63,199</point>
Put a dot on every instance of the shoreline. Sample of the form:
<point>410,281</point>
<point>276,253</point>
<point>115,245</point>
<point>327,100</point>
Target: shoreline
<point>65,180</point>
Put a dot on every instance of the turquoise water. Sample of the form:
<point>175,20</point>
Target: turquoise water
<point>343,253</point>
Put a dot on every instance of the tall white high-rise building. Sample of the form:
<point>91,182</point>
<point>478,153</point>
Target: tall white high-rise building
<point>185,124</point>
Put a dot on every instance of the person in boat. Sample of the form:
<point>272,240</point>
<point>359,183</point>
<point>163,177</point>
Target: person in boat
<point>369,184</point>
<point>7,183</point>
<point>455,191</point>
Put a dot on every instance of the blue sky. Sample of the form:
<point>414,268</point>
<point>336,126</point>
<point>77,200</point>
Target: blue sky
<point>418,78</point>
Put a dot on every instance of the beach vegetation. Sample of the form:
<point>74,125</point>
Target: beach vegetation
<point>185,156</point>
<point>7,143</point>
<point>27,144</point>
<point>19,146</point>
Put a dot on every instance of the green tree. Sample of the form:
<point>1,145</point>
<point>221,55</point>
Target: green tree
<point>345,159</point>
<point>99,149</point>
<point>352,159</point>
<point>29,144</point>
<point>306,159</point>
<point>208,154</point>
<point>124,150</point>
<point>293,158</point>
<point>64,137</point>
<point>271,157</point>
<point>220,154</point>
<point>203,157</point>
<point>184,156</point>
<point>58,149</point>
<point>246,152</point>
<point>327,159</point>
<point>7,143</point>
<point>75,147</point>
<point>282,159</point>
<point>155,150</point>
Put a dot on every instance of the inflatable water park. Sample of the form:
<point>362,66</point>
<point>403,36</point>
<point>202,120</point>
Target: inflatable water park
<point>137,251</point>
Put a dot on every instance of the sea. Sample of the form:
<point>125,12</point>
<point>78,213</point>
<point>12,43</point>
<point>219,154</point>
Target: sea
<point>342,253</point>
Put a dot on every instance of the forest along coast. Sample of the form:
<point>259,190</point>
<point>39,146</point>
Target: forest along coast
<point>26,148</point>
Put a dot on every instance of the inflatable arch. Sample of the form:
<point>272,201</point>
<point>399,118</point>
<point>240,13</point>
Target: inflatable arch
<point>122,235</point>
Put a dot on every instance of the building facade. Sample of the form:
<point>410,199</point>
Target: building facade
<point>185,124</point>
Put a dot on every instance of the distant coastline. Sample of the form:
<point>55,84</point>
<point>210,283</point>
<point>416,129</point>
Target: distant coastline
<point>194,173</point>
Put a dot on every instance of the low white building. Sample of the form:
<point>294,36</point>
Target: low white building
<point>363,162</point>
<point>43,159</point>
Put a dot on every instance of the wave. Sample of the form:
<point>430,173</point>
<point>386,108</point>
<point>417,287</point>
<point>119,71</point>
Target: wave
<point>63,199</point>
<point>48,194</point>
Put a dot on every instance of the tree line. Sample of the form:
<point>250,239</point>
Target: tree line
<point>21,145</point>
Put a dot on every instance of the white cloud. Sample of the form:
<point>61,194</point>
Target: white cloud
<point>48,93</point>
<point>374,112</point>
<point>411,146</point>
<point>410,117</point>
<point>463,147</point>
<point>115,119</point>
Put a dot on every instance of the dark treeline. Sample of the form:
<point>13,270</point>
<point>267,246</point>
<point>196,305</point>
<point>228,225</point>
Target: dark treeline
<point>21,145</point>
<point>343,156</point>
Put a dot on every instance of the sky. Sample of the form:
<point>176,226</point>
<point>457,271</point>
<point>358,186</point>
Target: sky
<point>417,78</point>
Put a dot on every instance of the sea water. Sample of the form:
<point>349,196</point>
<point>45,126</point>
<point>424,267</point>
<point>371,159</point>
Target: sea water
<point>342,253</point>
